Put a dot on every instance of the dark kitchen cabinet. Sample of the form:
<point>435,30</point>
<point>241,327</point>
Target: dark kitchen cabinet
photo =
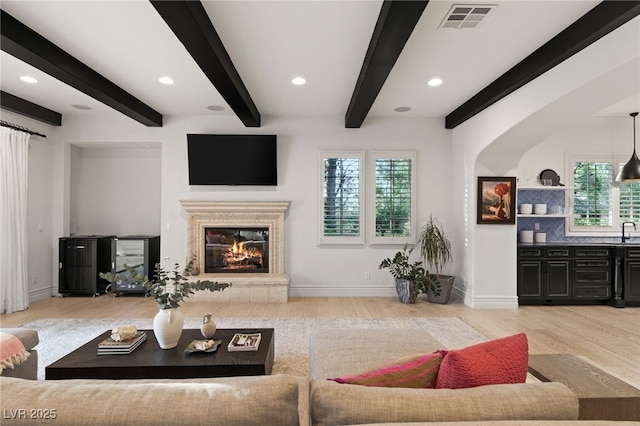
<point>557,288</point>
<point>544,275</point>
<point>569,275</point>
<point>592,274</point>
<point>81,259</point>
<point>631,277</point>
<point>530,279</point>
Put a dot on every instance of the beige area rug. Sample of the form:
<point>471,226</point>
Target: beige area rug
<point>58,337</point>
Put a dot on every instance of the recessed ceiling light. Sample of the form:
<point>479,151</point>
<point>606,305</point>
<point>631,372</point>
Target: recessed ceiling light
<point>299,81</point>
<point>402,109</point>
<point>28,79</point>
<point>82,107</point>
<point>215,108</point>
<point>434,82</point>
<point>166,80</point>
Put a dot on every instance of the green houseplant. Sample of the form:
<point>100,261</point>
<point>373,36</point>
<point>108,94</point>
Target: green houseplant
<point>168,288</point>
<point>411,278</point>
<point>436,250</point>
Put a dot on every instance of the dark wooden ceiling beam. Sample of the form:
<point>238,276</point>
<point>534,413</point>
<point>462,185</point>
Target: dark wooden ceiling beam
<point>595,24</point>
<point>190,23</point>
<point>27,45</point>
<point>395,24</point>
<point>29,109</point>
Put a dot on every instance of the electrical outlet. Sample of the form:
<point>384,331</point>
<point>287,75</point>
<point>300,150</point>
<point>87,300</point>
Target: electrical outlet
<point>537,226</point>
<point>367,276</point>
<point>167,226</point>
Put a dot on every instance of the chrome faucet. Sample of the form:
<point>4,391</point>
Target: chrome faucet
<point>627,223</point>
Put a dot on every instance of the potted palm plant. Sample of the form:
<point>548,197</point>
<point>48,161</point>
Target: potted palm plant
<point>411,278</point>
<point>436,250</point>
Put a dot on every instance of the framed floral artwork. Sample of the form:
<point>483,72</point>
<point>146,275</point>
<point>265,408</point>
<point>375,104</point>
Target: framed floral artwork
<point>496,200</point>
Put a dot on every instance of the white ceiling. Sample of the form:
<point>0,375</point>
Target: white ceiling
<point>270,42</point>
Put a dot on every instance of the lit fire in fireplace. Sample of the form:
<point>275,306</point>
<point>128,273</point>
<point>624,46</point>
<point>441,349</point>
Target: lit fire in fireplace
<point>240,256</point>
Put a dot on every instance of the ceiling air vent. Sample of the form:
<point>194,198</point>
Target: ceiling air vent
<point>467,15</point>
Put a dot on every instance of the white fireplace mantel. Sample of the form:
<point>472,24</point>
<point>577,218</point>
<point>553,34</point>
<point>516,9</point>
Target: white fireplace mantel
<point>251,287</point>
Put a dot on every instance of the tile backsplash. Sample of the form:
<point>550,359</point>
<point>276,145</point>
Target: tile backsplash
<point>554,227</point>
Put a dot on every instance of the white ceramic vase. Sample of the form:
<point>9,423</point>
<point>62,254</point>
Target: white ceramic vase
<point>167,327</point>
<point>208,328</point>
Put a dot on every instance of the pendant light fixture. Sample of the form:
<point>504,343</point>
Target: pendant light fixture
<point>631,170</point>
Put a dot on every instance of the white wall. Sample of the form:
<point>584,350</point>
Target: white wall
<point>39,217</point>
<point>115,191</point>
<point>608,137</point>
<point>314,270</point>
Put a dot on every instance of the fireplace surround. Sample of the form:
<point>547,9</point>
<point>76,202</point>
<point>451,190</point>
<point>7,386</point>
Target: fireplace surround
<point>272,286</point>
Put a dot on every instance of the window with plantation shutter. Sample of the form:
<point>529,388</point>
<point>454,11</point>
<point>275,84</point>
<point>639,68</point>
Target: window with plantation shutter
<point>600,204</point>
<point>393,192</point>
<point>629,201</point>
<point>592,201</point>
<point>342,203</point>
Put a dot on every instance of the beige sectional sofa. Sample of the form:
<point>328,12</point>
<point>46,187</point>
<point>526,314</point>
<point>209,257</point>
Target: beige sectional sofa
<point>336,353</point>
<point>289,400</point>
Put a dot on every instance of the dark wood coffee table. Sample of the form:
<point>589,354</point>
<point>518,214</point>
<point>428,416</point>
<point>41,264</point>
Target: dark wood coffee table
<point>148,361</point>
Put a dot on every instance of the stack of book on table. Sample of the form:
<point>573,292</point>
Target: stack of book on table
<point>124,347</point>
<point>244,342</point>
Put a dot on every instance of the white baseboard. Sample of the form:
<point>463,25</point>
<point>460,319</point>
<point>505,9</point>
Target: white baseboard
<point>341,291</point>
<point>458,294</point>
<point>483,302</point>
<point>492,302</point>
<point>40,293</point>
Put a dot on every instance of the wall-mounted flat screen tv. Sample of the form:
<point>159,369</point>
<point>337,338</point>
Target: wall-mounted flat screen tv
<point>232,159</point>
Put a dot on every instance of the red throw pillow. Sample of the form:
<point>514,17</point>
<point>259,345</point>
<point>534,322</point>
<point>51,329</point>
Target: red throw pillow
<point>495,362</point>
<point>419,372</point>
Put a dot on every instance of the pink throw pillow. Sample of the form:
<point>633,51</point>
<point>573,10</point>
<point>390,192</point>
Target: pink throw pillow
<point>419,372</point>
<point>495,362</point>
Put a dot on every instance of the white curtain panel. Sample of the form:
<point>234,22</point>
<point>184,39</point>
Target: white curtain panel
<point>14,173</point>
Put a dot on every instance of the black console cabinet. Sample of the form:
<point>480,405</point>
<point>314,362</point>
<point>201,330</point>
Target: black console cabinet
<point>140,252</point>
<point>81,259</point>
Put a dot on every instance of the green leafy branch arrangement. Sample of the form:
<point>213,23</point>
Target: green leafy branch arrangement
<point>168,288</point>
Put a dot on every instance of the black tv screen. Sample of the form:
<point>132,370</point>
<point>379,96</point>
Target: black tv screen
<point>232,159</point>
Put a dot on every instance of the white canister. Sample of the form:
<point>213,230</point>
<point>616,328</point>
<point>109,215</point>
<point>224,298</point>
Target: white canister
<point>526,208</point>
<point>540,209</point>
<point>556,210</point>
<point>526,236</point>
<point>540,237</point>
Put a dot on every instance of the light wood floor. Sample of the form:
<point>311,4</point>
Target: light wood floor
<point>606,336</point>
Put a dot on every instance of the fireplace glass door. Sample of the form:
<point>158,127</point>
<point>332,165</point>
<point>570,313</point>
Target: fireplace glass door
<point>236,250</point>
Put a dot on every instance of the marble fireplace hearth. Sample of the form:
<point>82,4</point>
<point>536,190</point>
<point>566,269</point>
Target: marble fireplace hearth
<point>246,287</point>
